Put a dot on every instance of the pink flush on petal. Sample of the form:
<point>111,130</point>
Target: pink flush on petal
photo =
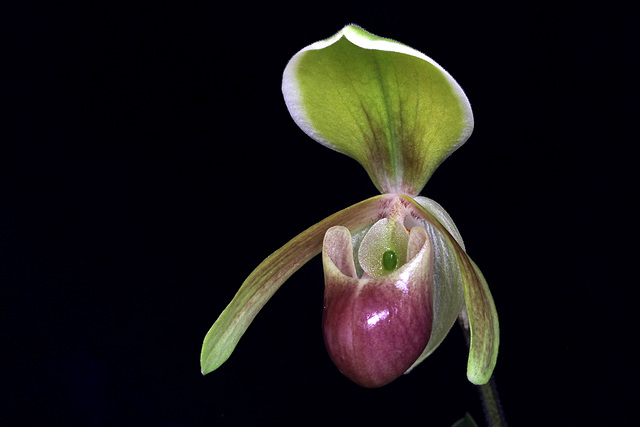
<point>376,328</point>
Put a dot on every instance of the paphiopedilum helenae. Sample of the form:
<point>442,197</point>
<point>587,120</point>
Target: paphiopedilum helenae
<point>396,272</point>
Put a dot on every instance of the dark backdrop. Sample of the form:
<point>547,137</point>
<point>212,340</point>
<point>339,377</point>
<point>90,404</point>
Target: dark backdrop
<point>149,164</point>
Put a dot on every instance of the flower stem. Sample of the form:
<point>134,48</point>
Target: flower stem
<point>493,413</point>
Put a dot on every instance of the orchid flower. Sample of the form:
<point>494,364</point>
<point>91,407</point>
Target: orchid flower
<point>396,272</point>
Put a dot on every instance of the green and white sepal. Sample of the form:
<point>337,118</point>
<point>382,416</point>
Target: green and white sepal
<point>388,106</point>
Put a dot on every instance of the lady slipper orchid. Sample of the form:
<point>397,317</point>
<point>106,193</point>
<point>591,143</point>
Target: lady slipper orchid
<point>397,275</point>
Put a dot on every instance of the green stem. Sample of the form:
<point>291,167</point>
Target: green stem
<point>493,413</point>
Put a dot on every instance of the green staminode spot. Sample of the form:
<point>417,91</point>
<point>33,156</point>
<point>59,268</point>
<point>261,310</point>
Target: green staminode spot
<point>388,106</point>
<point>389,261</point>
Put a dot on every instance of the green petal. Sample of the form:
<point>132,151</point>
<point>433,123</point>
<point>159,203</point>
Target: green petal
<point>447,290</point>
<point>483,318</point>
<point>441,215</point>
<point>388,106</point>
<point>265,280</point>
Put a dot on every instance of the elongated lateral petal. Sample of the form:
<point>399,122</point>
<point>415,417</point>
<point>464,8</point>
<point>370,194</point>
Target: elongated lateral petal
<point>388,106</point>
<point>375,328</point>
<point>448,293</point>
<point>263,282</point>
<point>483,318</point>
<point>448,289</point>
<point>442,216</point>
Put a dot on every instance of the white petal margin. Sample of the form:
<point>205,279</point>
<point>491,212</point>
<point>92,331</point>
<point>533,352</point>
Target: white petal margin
<point>360,37</point>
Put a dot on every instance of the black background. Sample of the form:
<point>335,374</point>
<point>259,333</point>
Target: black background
<point>149,164</point>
